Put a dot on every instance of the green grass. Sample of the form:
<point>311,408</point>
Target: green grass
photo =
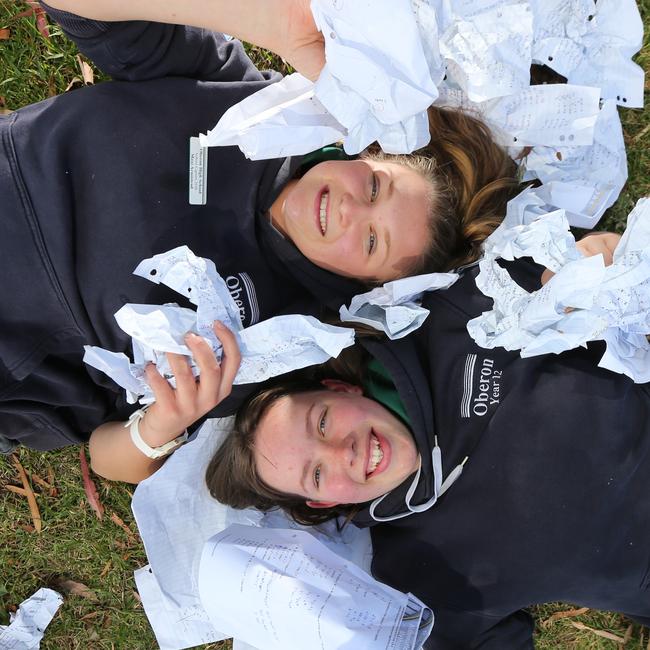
<point>73,543</point>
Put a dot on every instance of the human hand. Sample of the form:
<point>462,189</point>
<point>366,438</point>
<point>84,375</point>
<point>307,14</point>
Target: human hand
<point>176,409</point>
<point>300,43</point>
<point>596,243</point>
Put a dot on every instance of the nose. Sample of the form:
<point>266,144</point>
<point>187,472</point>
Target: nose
<point>342,451</point>
<point>351,212</point>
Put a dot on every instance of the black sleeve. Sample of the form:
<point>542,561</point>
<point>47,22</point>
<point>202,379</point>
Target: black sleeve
<point>515,632</point>
<point>139,50</point>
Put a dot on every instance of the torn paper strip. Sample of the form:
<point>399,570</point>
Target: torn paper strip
<point>584,301</point>
<point>28,624</point>
<point>272,347</point>
<point>394,308</point>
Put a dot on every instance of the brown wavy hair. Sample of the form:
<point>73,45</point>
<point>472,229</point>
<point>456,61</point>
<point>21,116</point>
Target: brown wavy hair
<point>472,179</point>
<point>231,476</point>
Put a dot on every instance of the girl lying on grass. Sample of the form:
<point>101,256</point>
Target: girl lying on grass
<point>491,482</point>
<point>553,502</point>
<point>95,180</point>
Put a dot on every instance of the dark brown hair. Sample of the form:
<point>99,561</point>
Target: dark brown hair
<point>231,475</point>
<point>472,178</point>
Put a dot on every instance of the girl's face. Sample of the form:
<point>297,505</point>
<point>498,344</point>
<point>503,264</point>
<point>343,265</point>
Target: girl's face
<point>360,218</point>
<point>333,446</point>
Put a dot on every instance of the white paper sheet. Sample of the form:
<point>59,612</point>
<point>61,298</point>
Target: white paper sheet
<point>298,594</point>
<point>176,515</point>
<point>28,624</point>
<point>373,87</point>
<point>394,307</point>
<point>385,58</point>
<point>584,301</point>
<point>584,181</point>
<point>269,348</point>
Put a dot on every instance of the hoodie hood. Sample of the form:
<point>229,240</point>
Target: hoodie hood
<point>400,359</point>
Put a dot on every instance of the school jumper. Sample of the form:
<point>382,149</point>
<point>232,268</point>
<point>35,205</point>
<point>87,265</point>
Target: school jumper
<point>553,503</point>
<point>94,181</point>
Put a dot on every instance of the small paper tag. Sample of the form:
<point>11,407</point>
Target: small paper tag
<point>198,176</point>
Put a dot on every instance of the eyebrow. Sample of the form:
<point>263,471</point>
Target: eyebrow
<point>386,244</point>
<point>305,469</point>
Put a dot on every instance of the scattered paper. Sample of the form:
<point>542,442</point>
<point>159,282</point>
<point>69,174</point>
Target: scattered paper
<point>28,624</point>
<point>299,594</point>
<point>584,301</point>
<point>374,87</point>
<point>584,181</point>
<point>473,55</point>
<point>394,308</point>
<point>176,515</point>
<point>269,348</point>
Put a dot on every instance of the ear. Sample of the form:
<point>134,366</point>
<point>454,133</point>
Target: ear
<point>339,386</point>
<point>321,504</point>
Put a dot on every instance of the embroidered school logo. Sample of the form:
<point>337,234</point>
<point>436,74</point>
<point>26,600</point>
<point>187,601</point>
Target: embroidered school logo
<point>243,292</point>
<point>481,386</point>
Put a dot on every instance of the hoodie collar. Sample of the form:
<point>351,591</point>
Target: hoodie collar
<point>400,360</point>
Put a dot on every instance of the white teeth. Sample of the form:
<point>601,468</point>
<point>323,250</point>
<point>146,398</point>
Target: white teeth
<point>376,455</point>
<point>323,212</point>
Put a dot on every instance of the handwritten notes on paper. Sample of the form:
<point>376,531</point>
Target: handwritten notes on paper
<point>28,625</point>
<point>584,301</point>
<point>388,60</point>
<point>269,348</point>
<point>298,594</point>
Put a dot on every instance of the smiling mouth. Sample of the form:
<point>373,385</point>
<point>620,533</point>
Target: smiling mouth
<point>322,211</point>
<point>376,455</point>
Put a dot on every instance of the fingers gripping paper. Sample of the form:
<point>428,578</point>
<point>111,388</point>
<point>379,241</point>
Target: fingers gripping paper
<point>584,301</point>
<point>268,348</point>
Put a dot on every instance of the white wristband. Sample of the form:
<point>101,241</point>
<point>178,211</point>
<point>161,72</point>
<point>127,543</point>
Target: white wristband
<point>151,452</point>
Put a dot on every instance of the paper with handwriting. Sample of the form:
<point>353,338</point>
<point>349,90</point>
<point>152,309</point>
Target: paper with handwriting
<point>299,594</point>
<point>584,301</point>
<point>269,348</point>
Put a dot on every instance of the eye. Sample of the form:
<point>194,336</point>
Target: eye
<point>372,242</point>
<point>321,423</point>
<point>374,191</point>
<point>317,476</point>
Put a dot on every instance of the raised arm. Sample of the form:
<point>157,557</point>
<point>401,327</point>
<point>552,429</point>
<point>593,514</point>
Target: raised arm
<point>285,27</point>
<point>113,453</point>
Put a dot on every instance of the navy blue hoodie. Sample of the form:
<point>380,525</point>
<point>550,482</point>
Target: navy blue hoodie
<point>553,503</point>
<point>96,180</point>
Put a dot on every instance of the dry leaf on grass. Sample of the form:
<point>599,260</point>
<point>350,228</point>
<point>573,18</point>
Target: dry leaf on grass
<point>89,486</point>
<point>567,613</point>
<point>50,479</point>
<point>628,633</point>
<point>118,522</point>
<point>600,633</point>
<point>76,589</point>
<point>31,499</point>
<point>106,569</point>
<point>87,73</point>
<point>16,490</point>
<point>40,16</point>
<point>5,34</point>
<point>74,83</point>
<point>41,482</point>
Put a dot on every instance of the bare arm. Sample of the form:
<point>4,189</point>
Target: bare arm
<point>112,452</point>
<point>285,27</point>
